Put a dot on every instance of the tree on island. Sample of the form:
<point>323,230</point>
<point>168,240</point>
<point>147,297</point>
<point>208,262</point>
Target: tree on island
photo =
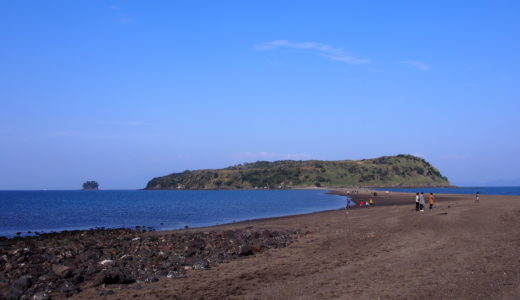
<point>90,185</point>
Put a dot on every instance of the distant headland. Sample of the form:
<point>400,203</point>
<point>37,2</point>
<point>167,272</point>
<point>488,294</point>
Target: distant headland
<point>386,171</point>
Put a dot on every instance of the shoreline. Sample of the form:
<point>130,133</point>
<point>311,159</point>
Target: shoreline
<point>236,220</point>
<point>362,195</point>
<point>461,250</point>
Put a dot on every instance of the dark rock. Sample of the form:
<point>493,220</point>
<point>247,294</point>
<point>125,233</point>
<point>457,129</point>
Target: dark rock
<point>36,270</point>
<point>115,275</point>
<point>245,250</point>
<point>175,274</point>
<point>201,265</point>
<point>107,293</point>
<point>151,279</point>
<point>23,283</point>
<point>14,294</point>
<point>4,289</point>
<point>48,277</point>
<point>77,279</point>
<point>68,288</point>
<point>41,296</point>
<point>62,271</point>
<point>136,286</point>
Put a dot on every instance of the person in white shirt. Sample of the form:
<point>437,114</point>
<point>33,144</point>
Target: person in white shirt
<point>421,201</point>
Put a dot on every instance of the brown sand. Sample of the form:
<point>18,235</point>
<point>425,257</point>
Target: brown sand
<point>460,250</point>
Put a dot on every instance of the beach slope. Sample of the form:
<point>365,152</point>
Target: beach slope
<point>460,250</point>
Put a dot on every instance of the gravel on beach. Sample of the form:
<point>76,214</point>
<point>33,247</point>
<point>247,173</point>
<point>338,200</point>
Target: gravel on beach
<point>59,265</point>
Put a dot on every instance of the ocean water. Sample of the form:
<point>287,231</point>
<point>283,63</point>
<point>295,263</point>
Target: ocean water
<point>46,211</point>
<point>503,190</point>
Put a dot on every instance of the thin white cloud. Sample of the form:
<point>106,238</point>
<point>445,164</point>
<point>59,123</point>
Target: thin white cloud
<point>120,16</point>
<point>419,65</point>
<point>328,51</point>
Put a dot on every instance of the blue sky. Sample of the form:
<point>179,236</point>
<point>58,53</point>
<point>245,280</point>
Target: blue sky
<point>123,91</point>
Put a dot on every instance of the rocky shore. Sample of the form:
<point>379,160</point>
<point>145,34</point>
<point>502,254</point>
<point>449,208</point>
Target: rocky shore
<point>59,265</point>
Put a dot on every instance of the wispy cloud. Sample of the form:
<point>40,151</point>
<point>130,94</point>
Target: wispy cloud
<point>120,16</point>
<point>328,51</point>
<point>419,65</point>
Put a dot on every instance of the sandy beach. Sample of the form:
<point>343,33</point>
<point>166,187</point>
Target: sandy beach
<point>460,250</point>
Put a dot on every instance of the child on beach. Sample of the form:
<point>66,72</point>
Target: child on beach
<point>367,204</point>
<point>417,202</point>
<point>477,196</point>
<point>371,202</point>
<point>348,203</point>
<point>431,200</point>
<point>361,203</point>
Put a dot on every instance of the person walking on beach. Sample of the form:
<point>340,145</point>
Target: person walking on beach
<point>417,202</point>
<point>477,196</point>
<point>421,202</point>
<point>348,203</point>
<point>431,200</point>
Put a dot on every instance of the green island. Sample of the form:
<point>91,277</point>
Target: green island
<point>386,171</point>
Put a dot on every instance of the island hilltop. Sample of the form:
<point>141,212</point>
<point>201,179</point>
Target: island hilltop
<point>387,171</point>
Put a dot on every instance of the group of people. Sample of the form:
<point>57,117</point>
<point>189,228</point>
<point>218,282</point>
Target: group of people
<point>420,201</point>
<point>366,203</point>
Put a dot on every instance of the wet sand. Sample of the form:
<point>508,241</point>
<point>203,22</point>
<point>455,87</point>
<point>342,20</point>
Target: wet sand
<point>460,250</point>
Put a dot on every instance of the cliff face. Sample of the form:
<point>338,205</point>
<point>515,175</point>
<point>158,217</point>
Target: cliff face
<point>386,171</point>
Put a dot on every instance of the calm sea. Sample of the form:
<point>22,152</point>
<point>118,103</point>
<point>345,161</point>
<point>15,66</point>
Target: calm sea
<point>504,190</point>
<point>45,211</point>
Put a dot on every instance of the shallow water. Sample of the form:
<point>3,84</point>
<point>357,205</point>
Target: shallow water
<point>45,211</point>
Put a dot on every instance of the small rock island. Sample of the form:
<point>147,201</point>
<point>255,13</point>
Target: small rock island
<point>90,186</point>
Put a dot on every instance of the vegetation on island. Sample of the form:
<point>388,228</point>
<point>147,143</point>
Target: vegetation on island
<point>90,185</point>
<point>387,171</point>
